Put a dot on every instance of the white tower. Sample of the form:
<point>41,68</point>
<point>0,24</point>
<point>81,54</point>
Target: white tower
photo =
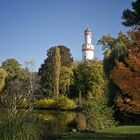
<point>88,47</point>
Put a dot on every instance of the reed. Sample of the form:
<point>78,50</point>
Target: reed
<point>16,124</point>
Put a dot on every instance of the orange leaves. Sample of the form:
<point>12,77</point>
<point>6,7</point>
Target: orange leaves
<point>126,75</point>
<point>121,75</point>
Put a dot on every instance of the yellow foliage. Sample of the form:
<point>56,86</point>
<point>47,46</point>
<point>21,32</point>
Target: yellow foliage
<point>65,103</point>
<point>45,103</point>
<point>61,103</point>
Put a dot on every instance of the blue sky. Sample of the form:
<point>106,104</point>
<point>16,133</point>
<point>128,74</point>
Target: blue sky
<point>29,27</point>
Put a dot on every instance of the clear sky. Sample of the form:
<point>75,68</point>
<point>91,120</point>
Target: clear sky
<point>29,27</point>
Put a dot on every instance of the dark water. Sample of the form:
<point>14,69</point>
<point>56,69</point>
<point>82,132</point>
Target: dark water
<point>54,124</point>
<point>57,122</point>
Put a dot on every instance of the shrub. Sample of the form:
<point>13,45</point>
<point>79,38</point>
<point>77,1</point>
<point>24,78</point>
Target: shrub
<point>62,102</point>
<point>45,103</point>
<point>99,116</point>
<point>65,103</point>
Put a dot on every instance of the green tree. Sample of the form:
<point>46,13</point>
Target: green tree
<point>13,68</point>
<point>66,57</point>
<point>65,79</point>
<point>46,70</point>
<point>15,77</point>
<point>132,17</point>
<point>57,67</point>
<point>88,80</point>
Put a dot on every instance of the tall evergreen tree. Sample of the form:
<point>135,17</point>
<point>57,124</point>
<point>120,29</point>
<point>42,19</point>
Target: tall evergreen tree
<point>132,17</point>
<point>57,68</point>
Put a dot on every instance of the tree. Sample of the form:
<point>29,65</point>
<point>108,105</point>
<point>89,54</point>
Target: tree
<point>132,17</point>
<point>3,75</point>
<point>33,80</point>
<point>57,67</point>
<point>66,58</point>
<point>65,79</point>
<point>13,68</point>
<point>16,77</point>
<point>126,75</point>
<point>115,48</point>
<point>88,80</point>
<point>46,70</point>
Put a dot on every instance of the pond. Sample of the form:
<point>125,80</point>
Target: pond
<point>66,123</point>
<point>55,123</point>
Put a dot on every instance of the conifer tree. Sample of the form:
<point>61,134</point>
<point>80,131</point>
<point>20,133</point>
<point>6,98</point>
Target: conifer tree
<point>132,17</point>
<point>57,67</point>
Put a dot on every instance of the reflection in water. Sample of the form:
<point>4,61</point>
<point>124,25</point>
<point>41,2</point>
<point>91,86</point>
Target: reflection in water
<point>81,121</point>
<point>56,122</point>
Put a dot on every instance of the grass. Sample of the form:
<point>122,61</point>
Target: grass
<point>118,133</point>
<point>123,130</point>
<point>17,126</point>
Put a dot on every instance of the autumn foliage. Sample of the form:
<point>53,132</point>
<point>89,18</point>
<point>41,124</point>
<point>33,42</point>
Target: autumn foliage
<point>126,75</point>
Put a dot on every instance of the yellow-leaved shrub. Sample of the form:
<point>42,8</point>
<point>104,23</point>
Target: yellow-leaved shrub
<point>45,103</point>
<point>65,103</point>
<point>62,102</point>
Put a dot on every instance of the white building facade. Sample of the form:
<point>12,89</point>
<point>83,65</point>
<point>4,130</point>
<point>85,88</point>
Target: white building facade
<point>88,47</point>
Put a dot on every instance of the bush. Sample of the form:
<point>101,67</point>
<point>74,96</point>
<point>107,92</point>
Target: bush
<point>62,102</point>
<point>65,103</point>
<point>45,103</point>
<point>99,116</point>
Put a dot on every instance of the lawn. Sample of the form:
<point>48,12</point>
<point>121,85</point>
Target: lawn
<point>118,133</point>
<point>123,130</point>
